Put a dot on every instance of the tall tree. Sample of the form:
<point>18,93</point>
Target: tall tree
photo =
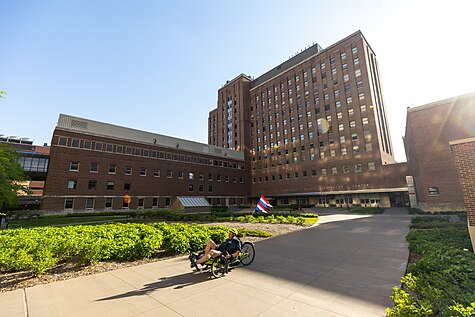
<point>11,176</point>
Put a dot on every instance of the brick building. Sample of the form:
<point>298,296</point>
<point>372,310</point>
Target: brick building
<point>34,160</point>
<point>94,165</point>
<point>464,158</point>
<point>429,129</point>
<point>314,129</point>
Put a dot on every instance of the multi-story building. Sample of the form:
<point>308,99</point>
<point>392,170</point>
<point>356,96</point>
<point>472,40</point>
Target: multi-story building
<point>34,161</point>
<point>429,130</point>
<point>314,128</point>
<point>95,165</point>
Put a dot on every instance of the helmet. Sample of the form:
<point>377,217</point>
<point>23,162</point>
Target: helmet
<point>234,231</point>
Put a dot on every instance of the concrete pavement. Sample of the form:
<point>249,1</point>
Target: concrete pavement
<point>344,266</point>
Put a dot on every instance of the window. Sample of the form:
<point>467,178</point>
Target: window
<point>156,172</point>
<point>339,115</point>
<point>351,112</point>
<point>337,104</point>
<point>346,169</point>
<point>169,173</point>
<point>356,61</point>
<point>210,188</point>
<point>341,127</point>
<point>127,185</point>
<point>98,146</point>
<point>154,202</point>
<point>191,175</point>
<point>119,149</point>
<point>364,120</point>
<point>180,174</point>
<point>359,84</point>
<point>334,170</point>
<point>128,170</point>
<point>343,55</point>
<point>324,171</point>
<point>74,166</point>
<point>75,143</point>
<point>72,183</point>
<point>369,147</point>
<point>226,179</point>
<point>354,50</point>
<point>342,139</point>
<point>89,203</point>
<point>367,135</point>
<point>343,151</point>
<point>361,96</point>
<point>358,168</point>
<point>200,188</point>
<point>87,144</point>
<point>352,124</point>
<point>344,66</point>
<point>314,172</point>
<point>108,203</point>
<point>109,147</point>
<point>143,171</point>
<point>363,108</point>
<point>349,100</point>
<point>358,72</point>
<point>332,153</point>
<point>68,203</point>
<point>62,141</point>
<point>112,168</point>
<point>92,184</point>
<point>110,185</point>
<point>201,177</point>
<point>371,166</point>
<point>141,203</point>
<point>354,137</point>
<point>190,187</point>
<point>356,149</point>
<point>94,168</point>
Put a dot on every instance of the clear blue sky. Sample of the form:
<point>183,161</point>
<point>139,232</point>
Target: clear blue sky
<point>157,66</point>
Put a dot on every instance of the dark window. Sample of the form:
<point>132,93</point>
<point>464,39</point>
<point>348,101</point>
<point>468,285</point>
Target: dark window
<point>127,185</point>
<point>92,184</point>
<point>110,185</point>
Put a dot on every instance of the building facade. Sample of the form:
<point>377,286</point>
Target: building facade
<point>100,166</point>
<point>314,129</point>
<point>429,130</point>
<point>34,160</point>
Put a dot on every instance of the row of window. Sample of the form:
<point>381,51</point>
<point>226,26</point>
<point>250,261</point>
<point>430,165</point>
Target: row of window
<point>112,169</point>
<point>33,164</point>
<point>111,185</point>
<point>120,149</point>
<point>358,168</point>
<point>109,203</point>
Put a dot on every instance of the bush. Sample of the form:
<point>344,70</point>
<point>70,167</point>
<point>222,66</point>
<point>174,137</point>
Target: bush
<point>367,210</point>
<point>442,280</point>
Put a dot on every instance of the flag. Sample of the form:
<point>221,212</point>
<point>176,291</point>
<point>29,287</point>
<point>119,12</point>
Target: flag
<point>263,205</point>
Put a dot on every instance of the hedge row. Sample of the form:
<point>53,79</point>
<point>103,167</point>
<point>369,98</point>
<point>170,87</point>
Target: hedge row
<point>40,249</point>
<point>442,281</point>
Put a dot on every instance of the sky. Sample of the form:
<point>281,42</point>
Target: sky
<point>157,66</point>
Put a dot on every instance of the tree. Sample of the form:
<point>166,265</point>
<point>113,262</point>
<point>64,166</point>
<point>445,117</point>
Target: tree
<point>3,94</point>
<point>11,176</point>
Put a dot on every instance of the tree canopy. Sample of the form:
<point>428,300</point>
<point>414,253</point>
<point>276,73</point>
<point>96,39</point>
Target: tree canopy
<point>11,176</point>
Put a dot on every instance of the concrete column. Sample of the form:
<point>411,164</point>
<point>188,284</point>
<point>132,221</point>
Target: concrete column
<point>464,157</point>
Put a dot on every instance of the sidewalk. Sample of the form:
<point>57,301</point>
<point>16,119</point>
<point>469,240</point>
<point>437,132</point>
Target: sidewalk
<point>345,266</point>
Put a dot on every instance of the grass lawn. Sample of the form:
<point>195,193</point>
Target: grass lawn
<point>367,210</point>
<point>61,221</point>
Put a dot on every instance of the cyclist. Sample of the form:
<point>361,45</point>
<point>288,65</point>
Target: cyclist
<point>231,246</point>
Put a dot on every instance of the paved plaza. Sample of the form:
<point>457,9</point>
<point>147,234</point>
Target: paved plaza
<point>346,265</point>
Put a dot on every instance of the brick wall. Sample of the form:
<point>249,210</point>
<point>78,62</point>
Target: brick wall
<point>464,157</point>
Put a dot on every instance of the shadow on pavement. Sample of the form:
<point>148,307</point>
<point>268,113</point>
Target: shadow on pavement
<point>175,282</point>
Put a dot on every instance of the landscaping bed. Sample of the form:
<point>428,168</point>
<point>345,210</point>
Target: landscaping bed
<point>440,279</point>
<point>77,266</point>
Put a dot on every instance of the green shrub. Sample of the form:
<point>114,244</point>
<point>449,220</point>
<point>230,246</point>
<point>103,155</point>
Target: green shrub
<point>442,280</point>
<point>242,232</point>
<point>367,210</point>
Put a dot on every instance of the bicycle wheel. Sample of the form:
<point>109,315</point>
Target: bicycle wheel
<point>247,253</point>
<point>219,266</point>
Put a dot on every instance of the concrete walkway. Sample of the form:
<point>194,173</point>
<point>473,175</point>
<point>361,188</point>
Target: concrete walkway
<point>344,266</point>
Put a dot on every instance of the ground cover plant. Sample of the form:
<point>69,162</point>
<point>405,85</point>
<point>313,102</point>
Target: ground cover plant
<point>441,279</point>
<point>39,249</point>
<point>26,220</point>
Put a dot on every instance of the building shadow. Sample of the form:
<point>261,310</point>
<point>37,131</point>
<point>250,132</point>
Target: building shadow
<point>175,282</point>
